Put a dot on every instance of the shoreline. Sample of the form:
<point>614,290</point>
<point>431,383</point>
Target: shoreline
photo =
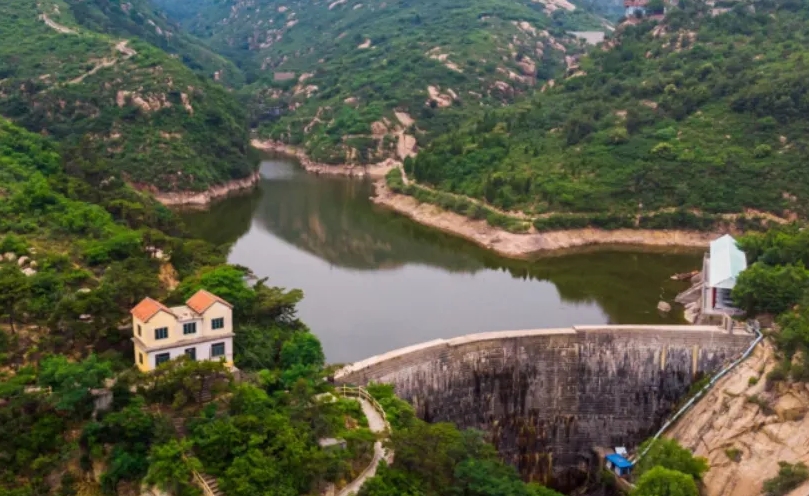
<point>204,198</point>
<point>526,246</point>
<point>499,241</point>
<point>374,171</point>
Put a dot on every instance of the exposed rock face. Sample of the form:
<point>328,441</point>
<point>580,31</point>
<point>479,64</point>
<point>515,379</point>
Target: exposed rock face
<point>206,197</point>
<point>547,397</point>
<point>726,420</point>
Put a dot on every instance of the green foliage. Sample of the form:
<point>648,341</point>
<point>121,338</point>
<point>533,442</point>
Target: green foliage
<point>733,454</point>
<point>171,470</point>
<point>656,123</point>
<point>660,481</point>
<point>789,477</point>
<point>346,88</point>
<point>71,381</point>
<point>667,453</point>
<point>437,459</point>
<point>14,286</point>
<point>764,288</point>
<point>129,100</point>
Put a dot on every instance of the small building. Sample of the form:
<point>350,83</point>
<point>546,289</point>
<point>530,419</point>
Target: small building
<point>634,6</point>
<point>202,329</point>
<point>720,267</point>
<point>618,465</point>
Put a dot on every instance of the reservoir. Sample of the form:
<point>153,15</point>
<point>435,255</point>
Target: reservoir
<point>375,281</point>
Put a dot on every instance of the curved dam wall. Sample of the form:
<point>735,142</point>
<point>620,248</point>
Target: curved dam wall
<point>547,397</point>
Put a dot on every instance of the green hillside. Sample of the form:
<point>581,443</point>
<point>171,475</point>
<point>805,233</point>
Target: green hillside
<point>329,75</point>
<point>139,18</point>
<point>701,115</point>
<point>77,245</point>
<point>146,112</point>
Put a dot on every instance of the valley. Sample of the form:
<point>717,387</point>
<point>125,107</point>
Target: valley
<point>308,307</point>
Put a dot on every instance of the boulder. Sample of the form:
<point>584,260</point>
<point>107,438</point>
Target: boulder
<point>22,261</point>
<point>28,271</point>
<point>790,408</point>
<point>664,307</point>
<point>9,256</point>
<point>692,310</point>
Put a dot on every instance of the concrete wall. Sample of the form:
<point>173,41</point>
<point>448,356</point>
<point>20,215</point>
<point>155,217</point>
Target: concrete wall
<point>546,397</point>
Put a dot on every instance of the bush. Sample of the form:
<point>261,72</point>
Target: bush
<point>766,289</point>
<point>734,454</point>
<point>789,477</point>
<point>752,381</point>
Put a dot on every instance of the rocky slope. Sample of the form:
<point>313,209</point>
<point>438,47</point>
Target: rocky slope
<point>117,96</point>
<point>745,429</point>
<point>699,113</point>
<point>359,81</point>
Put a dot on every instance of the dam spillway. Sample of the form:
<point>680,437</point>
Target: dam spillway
<point>546,397</point>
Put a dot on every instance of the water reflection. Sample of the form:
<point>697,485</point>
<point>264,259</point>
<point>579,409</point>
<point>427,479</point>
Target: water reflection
<point>375,281</point>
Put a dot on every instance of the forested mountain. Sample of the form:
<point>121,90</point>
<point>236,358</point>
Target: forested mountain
<point>139,18</point>
<point>330,74</point>
<point>703,111</point>
<point>91,70</point>
<point>79,247</point>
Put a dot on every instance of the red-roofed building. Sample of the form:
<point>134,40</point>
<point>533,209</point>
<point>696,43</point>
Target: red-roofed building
<point>202,329</point>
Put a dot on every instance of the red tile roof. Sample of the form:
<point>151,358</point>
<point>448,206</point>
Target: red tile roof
<point>147,309</point>
<point>202,300</point>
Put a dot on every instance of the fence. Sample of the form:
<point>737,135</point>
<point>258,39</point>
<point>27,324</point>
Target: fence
<point>361,392</point>
<point>752,326</point>
<point>200,481</point>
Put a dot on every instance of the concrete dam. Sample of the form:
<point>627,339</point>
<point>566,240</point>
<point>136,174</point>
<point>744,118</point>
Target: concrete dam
<point>547,397</point>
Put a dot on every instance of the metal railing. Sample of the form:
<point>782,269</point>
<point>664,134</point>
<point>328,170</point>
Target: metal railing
<point>752,326</point>
<point>386,454</point>
<point>203,484</point>
<point>361,392</point>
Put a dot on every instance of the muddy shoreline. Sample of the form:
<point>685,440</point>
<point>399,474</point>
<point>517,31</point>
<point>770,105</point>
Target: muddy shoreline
<point>499,241</point>
<point>374,171</point>
<point>529,245</point>
<point>204,198</point>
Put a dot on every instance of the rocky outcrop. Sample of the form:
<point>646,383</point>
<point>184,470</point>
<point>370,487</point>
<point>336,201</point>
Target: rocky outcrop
<point>205,197</point>
<point>374,170</point>
<point>744,428</point>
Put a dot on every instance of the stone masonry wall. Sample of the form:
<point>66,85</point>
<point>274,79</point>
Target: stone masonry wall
<point>547,397</point>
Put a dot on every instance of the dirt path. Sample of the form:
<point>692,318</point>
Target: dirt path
<point>122,47</point>
<point>56,26</point>
<point>377,425</point>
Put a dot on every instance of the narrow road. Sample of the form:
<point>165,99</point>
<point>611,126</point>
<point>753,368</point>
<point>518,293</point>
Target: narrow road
<point>58,27</point>
<point>377,424</point>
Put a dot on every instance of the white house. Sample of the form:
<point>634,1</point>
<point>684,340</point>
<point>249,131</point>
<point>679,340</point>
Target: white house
<point>720,268</point>
<point>202,329</point>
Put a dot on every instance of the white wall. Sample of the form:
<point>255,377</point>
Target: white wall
<point>203,351</point>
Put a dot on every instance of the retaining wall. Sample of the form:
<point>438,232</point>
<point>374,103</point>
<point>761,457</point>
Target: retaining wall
<point>547,397</point>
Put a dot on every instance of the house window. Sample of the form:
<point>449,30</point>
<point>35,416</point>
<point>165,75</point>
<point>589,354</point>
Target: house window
<point>139,334</point>
<point>161,333</point>
<point>191,353</point>
<point>161,358</point>
<point>217,350</point>
<point>218,323</point>
<point>190,328</point>
<point>140,358</point>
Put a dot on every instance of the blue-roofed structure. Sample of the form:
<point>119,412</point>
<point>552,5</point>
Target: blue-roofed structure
<point>618,464</point>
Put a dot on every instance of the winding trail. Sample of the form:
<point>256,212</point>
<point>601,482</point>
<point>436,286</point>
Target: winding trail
<point>377,424</point>
<point>55,25</point>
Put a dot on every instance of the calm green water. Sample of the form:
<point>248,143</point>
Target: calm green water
<point>375,281</point>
